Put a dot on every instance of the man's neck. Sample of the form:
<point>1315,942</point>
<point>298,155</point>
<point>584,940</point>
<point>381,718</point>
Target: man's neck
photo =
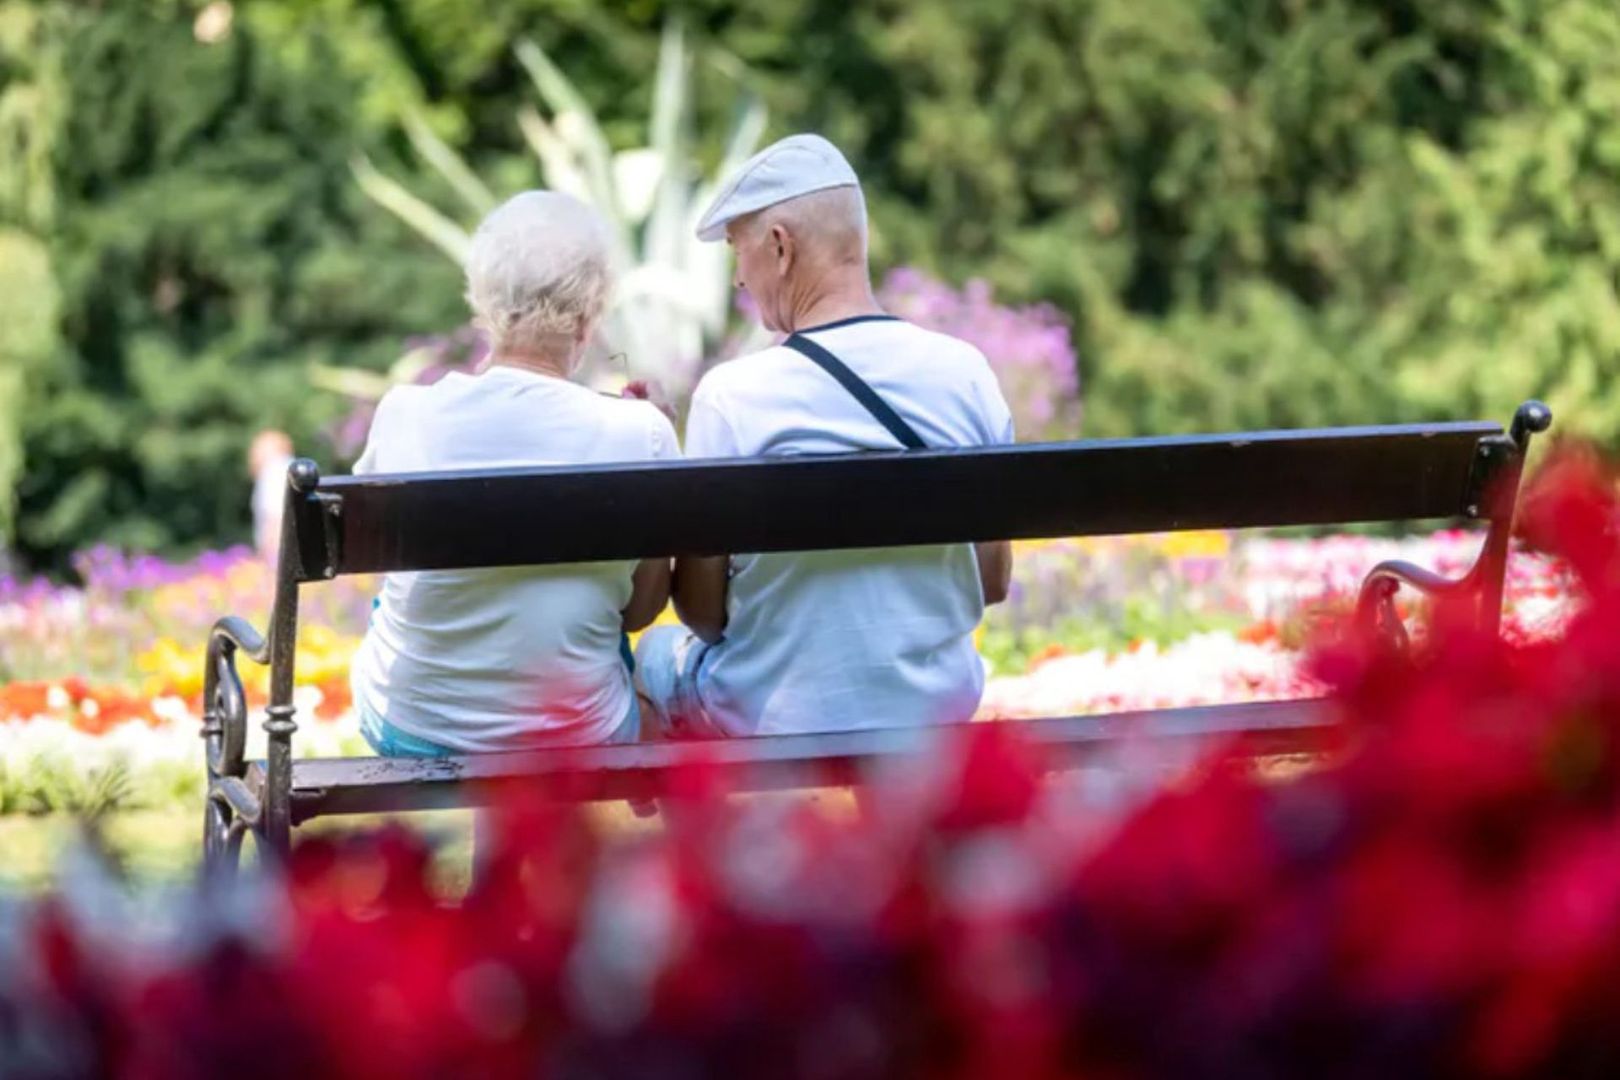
<point>835,307</point>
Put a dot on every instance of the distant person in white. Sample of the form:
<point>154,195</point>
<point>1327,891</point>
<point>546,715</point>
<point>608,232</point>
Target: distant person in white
<point>840,640</point>
<point>475,660</point>
<point>268,457</point>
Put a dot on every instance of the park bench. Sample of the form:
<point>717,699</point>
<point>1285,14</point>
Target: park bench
<point>530,516</point>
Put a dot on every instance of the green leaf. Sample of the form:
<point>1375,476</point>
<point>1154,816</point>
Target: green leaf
<point>448,164</point>
<point>394,197</point>
<point>575,123</point>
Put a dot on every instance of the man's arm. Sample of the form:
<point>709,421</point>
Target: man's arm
<point>701,581</point>
<point>995,569</point>
<point>995,556</point>
<point>700,594</point>
<point>649,592</point>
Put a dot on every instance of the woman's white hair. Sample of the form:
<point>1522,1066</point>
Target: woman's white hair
<point>540,266</point>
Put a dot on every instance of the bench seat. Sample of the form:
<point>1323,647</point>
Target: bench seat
<point>362,785</point>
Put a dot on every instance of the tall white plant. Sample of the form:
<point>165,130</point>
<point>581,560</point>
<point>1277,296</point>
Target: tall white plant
<point>674,296</point>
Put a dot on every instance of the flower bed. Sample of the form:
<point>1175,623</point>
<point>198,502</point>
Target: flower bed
<point>1440,896</point>
<point>100,686</point>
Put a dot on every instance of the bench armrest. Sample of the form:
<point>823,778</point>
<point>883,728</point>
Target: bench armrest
<point>1375,607</point>
<point>232,806</point>
<point>241,635</point>
<point>1389,575</point>
<point>1484,582</point>
<point>224,702</point>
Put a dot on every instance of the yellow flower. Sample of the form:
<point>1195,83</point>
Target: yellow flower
<point>323,654</point>
<point>170,668</point>
<point>1205,543</point>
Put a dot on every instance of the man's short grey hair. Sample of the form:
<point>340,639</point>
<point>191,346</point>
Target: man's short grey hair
<point>831,222</point>
<point>540,266</point>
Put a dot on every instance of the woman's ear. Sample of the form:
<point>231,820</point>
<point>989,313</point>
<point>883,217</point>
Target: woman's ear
<point>584,331</point>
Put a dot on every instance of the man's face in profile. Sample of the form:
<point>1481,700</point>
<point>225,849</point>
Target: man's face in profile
<point>756,268</point>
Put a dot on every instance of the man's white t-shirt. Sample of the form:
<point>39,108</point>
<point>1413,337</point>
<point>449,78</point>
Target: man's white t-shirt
<point>503,658</point>
<point>840,640</point>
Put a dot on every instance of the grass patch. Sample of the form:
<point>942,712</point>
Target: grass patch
<point>164,846</point>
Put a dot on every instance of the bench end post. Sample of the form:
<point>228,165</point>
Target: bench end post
<point>1529,419</point>
<point>303,476</point>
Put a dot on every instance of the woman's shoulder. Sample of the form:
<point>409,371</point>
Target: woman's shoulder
<point>634,427</point>
<point>398,402</point>
<point>647,421</point>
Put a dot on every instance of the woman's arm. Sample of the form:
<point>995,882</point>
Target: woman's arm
<point>700,594</point>
<point>649,592</point>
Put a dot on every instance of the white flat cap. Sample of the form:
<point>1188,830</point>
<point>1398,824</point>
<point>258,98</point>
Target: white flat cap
<point>797,165</point>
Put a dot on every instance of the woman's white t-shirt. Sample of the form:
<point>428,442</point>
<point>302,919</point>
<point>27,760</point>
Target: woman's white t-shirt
<point>841,640</point>
<point>509,658</point>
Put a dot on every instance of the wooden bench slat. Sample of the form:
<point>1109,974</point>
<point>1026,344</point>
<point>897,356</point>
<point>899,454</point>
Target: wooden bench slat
<point>371,784</point>
<point>514,517</point>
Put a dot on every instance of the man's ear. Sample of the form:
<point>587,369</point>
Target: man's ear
<point>782,240</point>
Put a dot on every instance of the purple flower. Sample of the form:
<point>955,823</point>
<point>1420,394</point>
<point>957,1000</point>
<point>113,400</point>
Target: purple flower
<point>1030,347</point>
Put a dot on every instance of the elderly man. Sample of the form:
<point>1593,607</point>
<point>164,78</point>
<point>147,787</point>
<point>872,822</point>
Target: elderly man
<point>825,641</point>
<point>471,660</point>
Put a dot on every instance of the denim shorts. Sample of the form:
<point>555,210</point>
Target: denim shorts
<point>668,659</point>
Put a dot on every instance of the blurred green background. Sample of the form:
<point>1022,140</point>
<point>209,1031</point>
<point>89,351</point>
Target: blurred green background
<point>1256,212</point>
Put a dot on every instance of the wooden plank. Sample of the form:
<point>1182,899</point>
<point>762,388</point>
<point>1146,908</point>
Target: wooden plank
<point>370,784</point>
<point>515,517</point>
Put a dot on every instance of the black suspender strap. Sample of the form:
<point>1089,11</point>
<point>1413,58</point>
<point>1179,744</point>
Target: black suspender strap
<point>858,389</point>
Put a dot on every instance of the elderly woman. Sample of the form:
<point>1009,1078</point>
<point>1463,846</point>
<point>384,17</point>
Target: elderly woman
<point>476,660</point>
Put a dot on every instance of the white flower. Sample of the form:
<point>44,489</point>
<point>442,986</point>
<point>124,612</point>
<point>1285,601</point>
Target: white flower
<point>171,710</point>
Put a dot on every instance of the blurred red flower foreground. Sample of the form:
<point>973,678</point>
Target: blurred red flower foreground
<point>1441,897</point>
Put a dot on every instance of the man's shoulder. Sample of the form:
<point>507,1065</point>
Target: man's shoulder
<point>941,345</point>
<point>955,369</point>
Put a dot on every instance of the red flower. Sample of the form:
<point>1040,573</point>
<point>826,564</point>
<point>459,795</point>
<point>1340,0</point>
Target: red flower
<point>1440,895</point>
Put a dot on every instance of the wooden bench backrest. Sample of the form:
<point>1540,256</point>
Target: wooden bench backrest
<point>532,516</point>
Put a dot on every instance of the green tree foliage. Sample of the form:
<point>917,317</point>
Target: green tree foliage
<point>32,98</point>
<point>208,246</point>
<point>1259,212</point>
<point>1263,212</point>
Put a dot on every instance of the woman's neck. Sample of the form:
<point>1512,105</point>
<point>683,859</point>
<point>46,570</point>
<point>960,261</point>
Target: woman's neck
<point>554,364</point>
